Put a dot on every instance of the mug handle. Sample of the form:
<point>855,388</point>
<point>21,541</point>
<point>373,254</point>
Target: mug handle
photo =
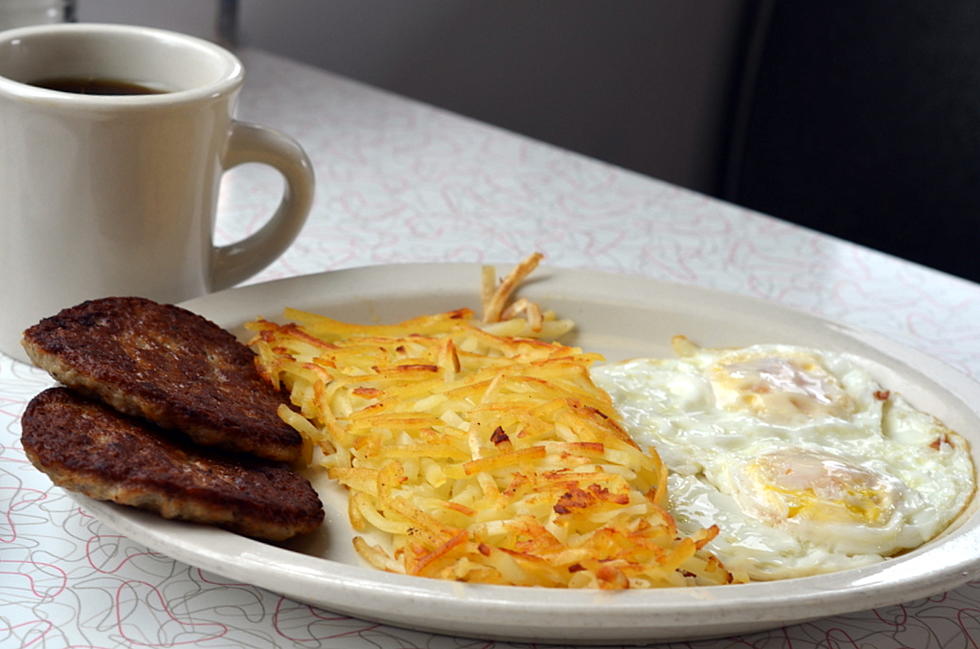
<point>253,143</point>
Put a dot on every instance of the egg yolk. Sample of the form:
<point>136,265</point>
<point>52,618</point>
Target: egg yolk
<point>797,487</point>
<point>779,390</point>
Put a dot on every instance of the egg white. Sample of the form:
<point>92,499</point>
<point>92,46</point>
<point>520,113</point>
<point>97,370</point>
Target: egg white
<point>802,459</point>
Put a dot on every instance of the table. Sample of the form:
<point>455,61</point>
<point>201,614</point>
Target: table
<point>400,181</point>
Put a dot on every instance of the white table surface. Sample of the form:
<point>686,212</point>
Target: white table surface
<point>399,181</point>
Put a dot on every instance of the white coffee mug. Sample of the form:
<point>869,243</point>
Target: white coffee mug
<point>115,195</point>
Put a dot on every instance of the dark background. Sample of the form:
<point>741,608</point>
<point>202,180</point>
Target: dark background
<point>862,119</point>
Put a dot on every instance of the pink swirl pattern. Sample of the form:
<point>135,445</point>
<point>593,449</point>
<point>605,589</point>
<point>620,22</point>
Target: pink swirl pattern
<point>399,181</point>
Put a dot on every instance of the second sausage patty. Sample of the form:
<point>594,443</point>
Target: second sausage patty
<point>88,447</point>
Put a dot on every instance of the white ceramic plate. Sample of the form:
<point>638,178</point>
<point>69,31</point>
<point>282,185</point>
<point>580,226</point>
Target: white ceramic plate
<point>620,317</point>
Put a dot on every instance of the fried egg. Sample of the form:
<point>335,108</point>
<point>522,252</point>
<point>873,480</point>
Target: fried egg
<point>806,464</point>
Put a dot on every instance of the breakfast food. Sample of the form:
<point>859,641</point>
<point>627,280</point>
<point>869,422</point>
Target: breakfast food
<point>88,447</point>
<point>131,366</point>
<point>477,457</point>
<point>477,452</point>
<point>168,365</point>
<point>803,460</point>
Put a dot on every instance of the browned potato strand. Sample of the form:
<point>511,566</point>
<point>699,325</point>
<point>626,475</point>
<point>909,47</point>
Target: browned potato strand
<point>479,457</point>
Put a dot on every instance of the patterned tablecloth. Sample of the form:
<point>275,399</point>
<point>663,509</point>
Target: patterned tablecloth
<point>399,181</point>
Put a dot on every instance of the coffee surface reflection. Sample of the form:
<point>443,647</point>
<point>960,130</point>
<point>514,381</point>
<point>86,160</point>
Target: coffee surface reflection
<point>94,86</point>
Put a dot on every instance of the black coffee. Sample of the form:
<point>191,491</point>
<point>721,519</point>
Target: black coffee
<point>91,86</point>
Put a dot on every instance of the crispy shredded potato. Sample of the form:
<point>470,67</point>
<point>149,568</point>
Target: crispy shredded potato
<point>495,296</point>
<point>478,456</point>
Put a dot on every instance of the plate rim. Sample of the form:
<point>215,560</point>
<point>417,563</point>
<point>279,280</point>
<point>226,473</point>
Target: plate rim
<point>656,614</point>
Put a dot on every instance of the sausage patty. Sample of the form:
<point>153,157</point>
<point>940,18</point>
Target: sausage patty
<point>88,447</point>
<point>168,365</point>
